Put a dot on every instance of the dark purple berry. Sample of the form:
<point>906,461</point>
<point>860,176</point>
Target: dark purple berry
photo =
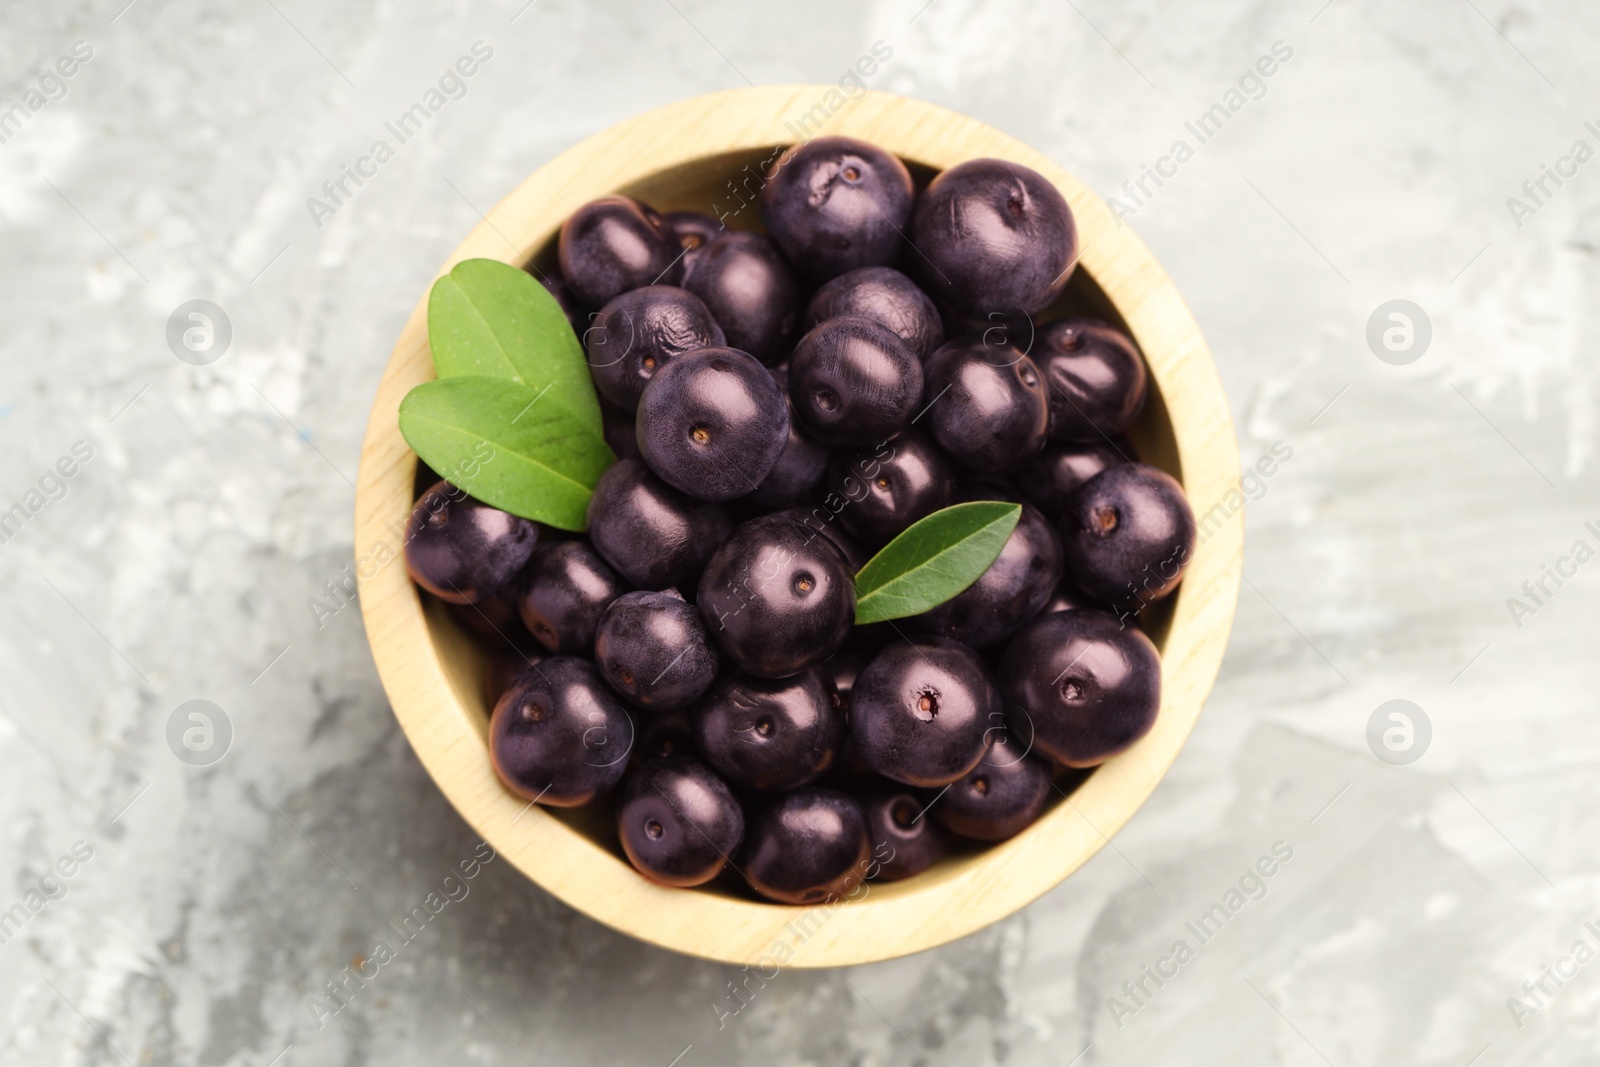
<point>558,735</point>
<point>1128,533</point>
<point>651,533</point>
<point>985,406</point>
<point>1000,798</point>
<point>678,822</point>
<point>1049,478</point>
<point>835,204</point>
<point>800,466</point>
<point>569,586</point>
<point>653,650</point>
<point>822,522</point>
<point>854,382</point>
<point>712,423</point>
<point>996,329</point>
<point>885,296</point>
<point>1013,590</point>
<point>769,733</point>
<point>1096,379</point>
<point>614,244</point>
<point>777,598</point>
<point>693,231</point>
<point>905,838</point>
<point>921,713</point>
<point>1082,685</point>
<point>638,333</point>
<point>462,550</point>
<point>751,292</point>
<point>807,847</point>
<point>891,486</point>
<point>993,236</point>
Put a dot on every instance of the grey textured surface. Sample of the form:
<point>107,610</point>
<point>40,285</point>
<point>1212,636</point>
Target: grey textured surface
<point>177,562</point>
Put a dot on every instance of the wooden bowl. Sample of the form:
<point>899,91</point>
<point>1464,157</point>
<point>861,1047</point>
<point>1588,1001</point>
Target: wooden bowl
<point>705,154</point>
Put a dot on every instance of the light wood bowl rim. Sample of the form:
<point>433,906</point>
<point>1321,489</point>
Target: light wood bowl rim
<point>444,718</point>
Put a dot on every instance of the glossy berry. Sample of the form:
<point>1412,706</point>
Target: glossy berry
<point>569,586</point>
<point>611,245</point>
<point>906,840</point>
<point>822,522</point>
<point>769,733</point>
<point>1013,590</point>
<point>996,329</point>
<point>712,423</point>
<point>836,204</point>
<point>854,382</point>
<point>654,651</point>
<point>751,292</point>
<point>462,550</point>
<point>921,713</point>
<point>651,533</point>
<point>1128,533</point>
<point>1000,798</point>
<point>777,598</point>
<point>1087,686</point>
<point>678,822</point>
<point>693,231</point>
<point>985,406</point>
<point>638,333</point>
<point>1096,379</point>
<point>807,847</point>
<point>885,296</point>
<point>994,236</point>
<point>800,467</point>
<point>558,735</point>
<point>891,486</point>
<point>1049,478</point>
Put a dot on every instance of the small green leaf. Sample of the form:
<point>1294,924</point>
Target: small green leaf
<point>508,445</point>
<point>933,559</point>
<point>487,318</point>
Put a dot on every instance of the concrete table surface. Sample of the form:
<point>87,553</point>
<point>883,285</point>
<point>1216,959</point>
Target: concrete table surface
<point>1427,540</point>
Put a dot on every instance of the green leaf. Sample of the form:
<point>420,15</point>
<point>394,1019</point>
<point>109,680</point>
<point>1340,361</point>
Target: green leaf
<point>933,559</point>
<point>509,445</point>
<point>487,318</point>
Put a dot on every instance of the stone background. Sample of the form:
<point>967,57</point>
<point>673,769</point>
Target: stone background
<point>1375,166</point>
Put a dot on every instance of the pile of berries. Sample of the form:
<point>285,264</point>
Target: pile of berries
<point>783,406</point>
